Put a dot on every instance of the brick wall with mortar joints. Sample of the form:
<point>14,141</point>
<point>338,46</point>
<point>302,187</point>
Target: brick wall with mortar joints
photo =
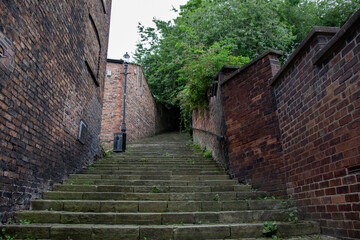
<point>252,125</point>
<point>44,96</point>
<point>319,114</point>
<point>140,117</point>
<point>213,120</point>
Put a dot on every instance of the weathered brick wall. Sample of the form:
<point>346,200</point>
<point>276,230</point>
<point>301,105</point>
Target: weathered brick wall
<point>209,128</point>
<point>54,79</point>
<point>318,98</point>
<point>252,125</point>
<point>140,117</point>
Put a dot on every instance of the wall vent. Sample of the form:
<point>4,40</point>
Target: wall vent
<point>108,73</point>
<point>82,132</point>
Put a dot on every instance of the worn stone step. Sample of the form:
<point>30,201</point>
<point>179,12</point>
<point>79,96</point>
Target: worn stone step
<point>147,189</point>
<point>175,232</point>
<point>139,157</point>
<point>150,177</point>
<point>154,169</point>
<point>164,188</point>
<point>88,181</point>
<point>159,168</point>
<point>163,173</point>
<point>153,196</point>
<point>152,218</point>
<point>170,156</point>
<point>162,155</point>
<point>135,164</point>
<point>155,206</point>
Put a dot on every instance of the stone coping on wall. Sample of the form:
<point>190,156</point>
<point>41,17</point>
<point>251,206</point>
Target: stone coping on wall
<point>121,61</point>
<point>224,68</point>
<point>340,36</point>
<point>303,45</point>
<point>249,64</point>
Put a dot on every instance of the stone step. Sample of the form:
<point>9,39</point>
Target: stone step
<point>207,196</point>
<point>159,157</point>
<point>148,189</point>
<point>151,218</point>
<point>151,177</point>
<point>175,232</point>
<point>144,163</point>
<point>153,168</point>
<point>158,189</point>
<point>163,173</point>
<point>155,206</point>
<point>170,155</point>
<point>89,181</point>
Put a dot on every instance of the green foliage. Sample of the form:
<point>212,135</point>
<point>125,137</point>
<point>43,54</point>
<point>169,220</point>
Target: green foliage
<point>270,229</point>
<point>5,236</point>
<point>207,154</point>
<point>206,35</point>
<point>88,183</point>
<point>155,189</point>
<point>166,154</point>
<point>25,222</point>
<point>292,214</point>
<point>144,159</point>
<point>217,197</point>
<point>10,221</point>
<point>180,58</point>
<point>196,146</point>
<point>91,167</point>
<point>201,64</point>
<point>105,153</point>
<point>303,15</point>
<point>291,210</point>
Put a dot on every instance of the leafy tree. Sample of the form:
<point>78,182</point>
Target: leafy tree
<point>303,15</point>
<point>247,28</point>
<point>181,57</point>
<point>201,64</point>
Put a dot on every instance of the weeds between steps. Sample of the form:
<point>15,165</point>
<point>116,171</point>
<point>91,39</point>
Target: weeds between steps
<point>197,149</point>
<point>291,211</point>
<point>270,230</point>
<point>155,189</point>
<point>6,236</point>
<point>105,153</point>
<point>217,197</point>
<point>144,159</point>
<point>91,167</point>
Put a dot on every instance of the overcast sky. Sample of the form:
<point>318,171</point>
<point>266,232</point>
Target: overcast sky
<point>125,16</point>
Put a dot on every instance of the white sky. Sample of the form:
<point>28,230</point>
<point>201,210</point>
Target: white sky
<point>125,16</point>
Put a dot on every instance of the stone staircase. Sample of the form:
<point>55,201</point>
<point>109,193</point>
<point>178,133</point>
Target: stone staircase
<point>158,189</point>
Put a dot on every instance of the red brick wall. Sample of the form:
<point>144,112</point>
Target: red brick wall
<point>52,81</point>
<point>302,134</point>
<point>252,125</point>
<point>319,115</point>
<point>140,117</point>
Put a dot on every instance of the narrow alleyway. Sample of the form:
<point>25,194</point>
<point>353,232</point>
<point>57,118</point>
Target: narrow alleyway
<point>158,189</point>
